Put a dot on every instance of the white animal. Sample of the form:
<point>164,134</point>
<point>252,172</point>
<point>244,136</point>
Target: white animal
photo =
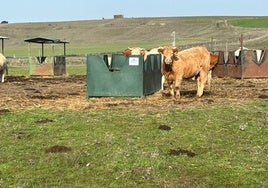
<point>3,67</point>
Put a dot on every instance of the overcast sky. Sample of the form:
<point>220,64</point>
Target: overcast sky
<point>15,11</point>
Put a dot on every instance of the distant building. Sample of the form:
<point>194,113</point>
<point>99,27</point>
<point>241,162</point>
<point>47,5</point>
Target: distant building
<point>118,16</point>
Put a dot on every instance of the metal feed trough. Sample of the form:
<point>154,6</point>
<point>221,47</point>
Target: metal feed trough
<point>47,65</point>
<point>123,76</point>
<point>248,64</point>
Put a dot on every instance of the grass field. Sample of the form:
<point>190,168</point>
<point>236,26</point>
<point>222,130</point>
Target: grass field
<point>258,22</point>
<point>212,146</point>
<point>24,71</point>
<point>114,35</point>
<point>216,146</point>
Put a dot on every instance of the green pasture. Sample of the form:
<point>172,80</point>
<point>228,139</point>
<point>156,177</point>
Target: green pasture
<point>114,35</point>
<point>215,146</point>
<point>258,22</point>
<point>79,49</point>
<point>18,71</point>
<point>25,71</point>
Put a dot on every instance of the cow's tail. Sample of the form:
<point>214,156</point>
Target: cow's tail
<point>5,68</point>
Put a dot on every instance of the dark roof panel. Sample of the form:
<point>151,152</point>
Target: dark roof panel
<point>44,40</point>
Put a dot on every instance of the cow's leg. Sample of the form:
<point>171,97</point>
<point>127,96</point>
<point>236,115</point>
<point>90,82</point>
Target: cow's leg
<point>2,76</point>
<point>169,87</point>
<point>209,79</point>
<point>163,81</point>
<point>201,80</point>
<point>177,86</point>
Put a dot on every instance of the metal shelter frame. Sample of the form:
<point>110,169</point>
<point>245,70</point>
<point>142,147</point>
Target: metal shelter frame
<point>3,46</point>
<point>42,41</point>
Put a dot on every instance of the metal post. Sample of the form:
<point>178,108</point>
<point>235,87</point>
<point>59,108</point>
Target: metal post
<point>241,41</point>
<point>64,49</point>
<point>226,55</point>
<point>242,55</point>
<point>3,46</point>
<point>173,34</point>
<point>211,44</point>
<point>42,49</point>
<point>242,49</point>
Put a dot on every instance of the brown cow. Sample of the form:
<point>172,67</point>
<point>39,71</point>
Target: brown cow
<point>3,67</point>
<point>193,62</point>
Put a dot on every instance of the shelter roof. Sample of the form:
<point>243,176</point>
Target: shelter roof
<point>43,40</point>
<point>2,37</point>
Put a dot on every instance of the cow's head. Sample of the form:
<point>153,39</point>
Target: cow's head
<point>169,53</point>
<point>134,51</point>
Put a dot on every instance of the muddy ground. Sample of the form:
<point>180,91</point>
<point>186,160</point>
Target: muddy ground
<point>70,93</point>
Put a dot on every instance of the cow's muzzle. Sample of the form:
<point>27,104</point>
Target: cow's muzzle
<point>168,61</point>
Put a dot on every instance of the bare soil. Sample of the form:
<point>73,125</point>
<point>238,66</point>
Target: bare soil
<point>70,93</point>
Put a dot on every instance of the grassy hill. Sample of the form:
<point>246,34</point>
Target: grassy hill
<point>112,35</point>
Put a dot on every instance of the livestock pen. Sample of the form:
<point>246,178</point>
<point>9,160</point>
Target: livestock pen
<point>42,65</point>
<point>245,64</point>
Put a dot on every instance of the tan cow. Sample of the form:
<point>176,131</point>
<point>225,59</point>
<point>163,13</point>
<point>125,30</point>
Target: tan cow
<point>193,62</point>
<point>135,51</point>
<point>3,67</point>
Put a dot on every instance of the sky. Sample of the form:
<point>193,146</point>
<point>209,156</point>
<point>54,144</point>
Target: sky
<point>21,11</point>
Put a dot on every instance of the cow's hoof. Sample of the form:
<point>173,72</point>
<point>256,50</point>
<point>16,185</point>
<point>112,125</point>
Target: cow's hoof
<point>166,93</point>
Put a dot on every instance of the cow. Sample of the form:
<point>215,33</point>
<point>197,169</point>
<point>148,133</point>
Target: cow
<point>3,67</point>
<point>176,65</point>
<point>238,51</point>
<point>133,51</point>
<point>140,51</point>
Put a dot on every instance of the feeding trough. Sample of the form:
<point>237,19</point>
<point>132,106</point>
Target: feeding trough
<point>42,65</point>
<point>123,76</point>
<point>242,63</point>
<point>246,64</point>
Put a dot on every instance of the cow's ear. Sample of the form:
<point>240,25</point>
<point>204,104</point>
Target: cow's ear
<point>142,51</point>
<point>160,50</point>
<point>127,52</point>
<point>175,50</point>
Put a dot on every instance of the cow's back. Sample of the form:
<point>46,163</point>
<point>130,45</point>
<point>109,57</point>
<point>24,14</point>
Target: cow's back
<point>191,61</point>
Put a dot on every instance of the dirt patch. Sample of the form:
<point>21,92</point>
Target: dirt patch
<point>181,152</point>
<point>44,121</point>
<point>21,135</point>
<point>70,93</point>
<point>4,111</point>
<point>58,149</point>
<point>164,127</point>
